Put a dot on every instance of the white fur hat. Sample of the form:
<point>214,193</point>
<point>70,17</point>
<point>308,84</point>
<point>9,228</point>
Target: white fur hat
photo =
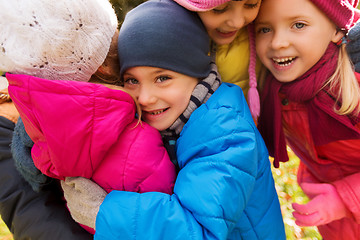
<point>60,39</point>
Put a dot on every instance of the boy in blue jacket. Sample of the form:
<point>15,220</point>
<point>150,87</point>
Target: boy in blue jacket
<point>224,188</point>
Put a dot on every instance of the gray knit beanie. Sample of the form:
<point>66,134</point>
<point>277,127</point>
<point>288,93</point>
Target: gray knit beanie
<point>163,34</point>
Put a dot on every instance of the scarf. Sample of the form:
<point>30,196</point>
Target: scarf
<point>310,89</point>
<point>202,92</point>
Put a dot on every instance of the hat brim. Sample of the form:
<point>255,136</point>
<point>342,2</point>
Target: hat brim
<point>190,6</point>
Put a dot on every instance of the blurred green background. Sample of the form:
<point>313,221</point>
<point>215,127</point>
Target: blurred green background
<point>285,176</point>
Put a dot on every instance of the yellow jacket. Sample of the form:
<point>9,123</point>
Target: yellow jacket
<point>232,61</point>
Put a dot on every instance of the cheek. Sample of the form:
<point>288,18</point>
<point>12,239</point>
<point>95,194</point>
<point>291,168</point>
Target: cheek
<point>210,22</point>
<point>260,48</point>
<point>132,92</point>
<point>181,100</point>
<point>251,15</point>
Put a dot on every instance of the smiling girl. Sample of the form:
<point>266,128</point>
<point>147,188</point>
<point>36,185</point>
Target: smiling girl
<point>311,101</point>
<point>233,47</point>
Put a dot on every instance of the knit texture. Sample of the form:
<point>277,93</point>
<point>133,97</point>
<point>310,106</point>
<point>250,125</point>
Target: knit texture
<point>152,35</point>
<point>65,39</point>
<point>253,94</point>
<point>202,92</point>
<point>200,5</point>
<point>21,150</point>
<point>342,12</point>
<point>353,46</point>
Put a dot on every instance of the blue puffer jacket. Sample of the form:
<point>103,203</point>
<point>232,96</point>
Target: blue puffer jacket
<point>224,190</point>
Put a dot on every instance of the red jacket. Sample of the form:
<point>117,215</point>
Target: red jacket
<point>337,163</point>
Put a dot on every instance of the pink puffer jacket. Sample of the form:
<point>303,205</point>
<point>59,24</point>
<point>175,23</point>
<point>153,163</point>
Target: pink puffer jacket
<point>89,130</point>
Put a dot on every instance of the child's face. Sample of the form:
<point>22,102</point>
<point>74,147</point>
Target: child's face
<point>292,36</point>
<point>163,95</point>
<point>223,22</point>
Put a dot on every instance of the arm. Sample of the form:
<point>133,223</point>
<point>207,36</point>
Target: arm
<point>216,172</point>
<point>31,215</point>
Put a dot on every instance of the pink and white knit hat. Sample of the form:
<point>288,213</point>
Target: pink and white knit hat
<point>200,5</point>
<point>342,12</point>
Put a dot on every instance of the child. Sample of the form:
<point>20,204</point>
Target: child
<point>224,189</point>
<point>311,100</point>
<point>232,42</point>
<point>228,24</point>
<point>78,128</point>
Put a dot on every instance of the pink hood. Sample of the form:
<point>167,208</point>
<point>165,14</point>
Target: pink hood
<point>88,130</point>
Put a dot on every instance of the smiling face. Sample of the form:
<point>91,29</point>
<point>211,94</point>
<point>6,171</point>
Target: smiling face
<point>163,95</point>
<point>223,22</point>
<point>292,36</point>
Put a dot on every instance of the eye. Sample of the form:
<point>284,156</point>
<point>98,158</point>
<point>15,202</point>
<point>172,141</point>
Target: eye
<point>131,81</point>
<point>299,25</point>
<point>263,30</point>
<point>252,5</point>
<point>162,78</point>
<point>221,9</point>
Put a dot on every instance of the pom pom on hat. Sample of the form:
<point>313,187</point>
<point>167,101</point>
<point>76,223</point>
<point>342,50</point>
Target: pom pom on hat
<point>200,5</point>
<point>163,34</point>
<point>63,39</point>
<point>343,13</point>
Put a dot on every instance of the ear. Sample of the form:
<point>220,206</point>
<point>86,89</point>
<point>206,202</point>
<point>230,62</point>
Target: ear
<point>337,36</point>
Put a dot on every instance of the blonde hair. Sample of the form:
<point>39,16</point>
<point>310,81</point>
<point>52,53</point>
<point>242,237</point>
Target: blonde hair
<point>344,85</point>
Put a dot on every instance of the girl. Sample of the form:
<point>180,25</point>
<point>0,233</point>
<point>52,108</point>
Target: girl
<point>232,42</point>
<point>311,100</point>
<point>228,25</point>
<point>224,189</point>
<point>78,128</point>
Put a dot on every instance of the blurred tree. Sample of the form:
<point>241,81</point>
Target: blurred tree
<point>123,6</point>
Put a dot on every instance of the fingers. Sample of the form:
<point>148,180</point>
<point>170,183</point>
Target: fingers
<point>305,209</point>
<point>86,187</point>
<point>307,220</point>
<point>309,214</point>
<point>79,184</point>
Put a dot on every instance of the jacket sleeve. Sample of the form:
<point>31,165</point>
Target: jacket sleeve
<point>96,111</point>
<point>218,165</point>
<point>349,191</point>
<point>30,215</point>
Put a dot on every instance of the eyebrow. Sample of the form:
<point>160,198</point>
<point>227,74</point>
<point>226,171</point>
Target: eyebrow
<point>290,18</point>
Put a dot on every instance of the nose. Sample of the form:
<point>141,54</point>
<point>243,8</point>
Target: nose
<point>146,96</point>
<point>236,19</point>
<point>279,40</point>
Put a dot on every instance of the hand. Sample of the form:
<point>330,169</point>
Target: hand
<point>21,151</point>
<point>353,46</point>
<point>84,198</point>
<point>325,205</point>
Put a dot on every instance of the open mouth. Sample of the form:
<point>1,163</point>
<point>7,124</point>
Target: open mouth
<point>226,34</point>
<point>283,62</point>
<point>158,111</point>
